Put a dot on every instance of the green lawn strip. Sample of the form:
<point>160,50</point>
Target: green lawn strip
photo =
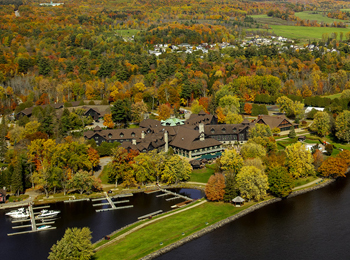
<point>305,180</point>
<point>168,230</point>
<point>103,175</point>
<point>201,175</point>
<point>18,198</point>
<point>142,222</point>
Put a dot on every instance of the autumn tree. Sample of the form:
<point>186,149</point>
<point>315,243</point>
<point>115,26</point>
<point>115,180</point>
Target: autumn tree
<point>322,123</point>
<point>281,183</point>
<point>345,155</point>
<point>248,108</point>
<point>342,126</point>
<point>290,107</point>
<point>252,150</point>
<point>299,160</point>
<point>94,157</point>
<point>231,161</point>
<point>83,181</point>
<point>252,183</point>
<point>3,133</point>
<point>138,111</point>
<point>196,107</point>
<point>333,167</point>
<point>232,118</point>
<point>260,130</point>
<point>215,188</point>
<point>292,133</point>
<point>75,244</point>
<point>107,121</point>
<point>176,169</point>
<point>318,159</point>
<point>164,112</point>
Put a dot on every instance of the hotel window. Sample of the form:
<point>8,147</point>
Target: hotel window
<point>110,136</point>
<point>121,135</point>
<point>132,134</point>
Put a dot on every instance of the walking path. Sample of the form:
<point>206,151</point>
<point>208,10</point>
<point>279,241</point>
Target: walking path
<point>145,224</point>
<point>196,183</point>
<point>308,184</point>
<point>103,162</point>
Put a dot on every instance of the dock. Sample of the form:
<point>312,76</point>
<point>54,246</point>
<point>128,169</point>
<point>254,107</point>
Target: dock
<point>179,205</point>
<point>75,200</point>
<point>150,214</point>
<point>124,207</point>
<point>112,203</point>
<point>151,191</point>
<point>32,219</point>
<point>175,194</point>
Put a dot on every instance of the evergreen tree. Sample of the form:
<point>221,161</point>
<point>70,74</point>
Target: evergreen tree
<point>3,144</point>
<point>17,178</point>
<point>230,190</point>
<point>292,133</point>
<point>121,111</point>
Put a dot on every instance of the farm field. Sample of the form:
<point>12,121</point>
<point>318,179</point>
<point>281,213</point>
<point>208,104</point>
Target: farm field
<point>334,96</point>
<point>304,33</point>
<point>318,17</point>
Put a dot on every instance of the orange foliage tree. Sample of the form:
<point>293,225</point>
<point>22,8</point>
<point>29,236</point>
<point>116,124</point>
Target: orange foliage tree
<point>248,108</point>
<point>345,155</point>
<point>164,112</point>
<point>333,167</point>
<point>215,188</point>
<point>94,157</point>
<point>108,121</point>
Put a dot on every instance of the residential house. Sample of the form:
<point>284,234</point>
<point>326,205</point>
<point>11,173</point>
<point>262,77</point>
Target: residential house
<point>281,122</point>
<point>2,196</point>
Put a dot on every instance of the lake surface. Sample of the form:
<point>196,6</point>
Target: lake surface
<point>81,214</point>
<point>315,225</point>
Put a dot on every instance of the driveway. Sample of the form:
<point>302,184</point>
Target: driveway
<point>103,162</point>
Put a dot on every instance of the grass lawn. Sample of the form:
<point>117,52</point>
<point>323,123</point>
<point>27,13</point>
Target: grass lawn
<point>334,96</point>
<point>201,175</point>
<point>129,32</point>
<point>133,126</point>
<point>103,176</point>
<point>18,198</point>
<point>308,15</point>
<point>168,230</point>
<point>305,180</point>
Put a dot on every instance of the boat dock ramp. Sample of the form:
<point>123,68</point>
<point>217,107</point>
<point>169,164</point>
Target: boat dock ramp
<point>112,203</point>
<point>176,196</point>
<point>33,220</point>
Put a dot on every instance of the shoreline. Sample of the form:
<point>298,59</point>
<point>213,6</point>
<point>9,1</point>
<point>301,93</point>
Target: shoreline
<point>230,219</point>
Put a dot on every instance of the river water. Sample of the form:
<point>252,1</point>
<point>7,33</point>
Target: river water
<point>315,225</point>
<point>36,246</point>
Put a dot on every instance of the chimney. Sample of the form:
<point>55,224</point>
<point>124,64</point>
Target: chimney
<point>142,134</point>
<point>133,141</point>
<point>166,148</point>
<point>201,132</point>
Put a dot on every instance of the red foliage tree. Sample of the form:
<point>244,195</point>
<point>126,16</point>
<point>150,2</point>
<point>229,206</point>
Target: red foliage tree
<point>333,167</point>
<point>215,188</point>
<point>248,108</point>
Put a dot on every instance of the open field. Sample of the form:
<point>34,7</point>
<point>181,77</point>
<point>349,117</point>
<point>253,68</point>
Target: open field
<point>334,96</point>
<point>318,17</point>
<point>303,33</point>
<point>168,230</point>
<point>264,19</point>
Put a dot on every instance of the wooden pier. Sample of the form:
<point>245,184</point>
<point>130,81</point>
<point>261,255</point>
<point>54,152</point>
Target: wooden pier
<point>76,200</point>
<point>175,194</point>
<point>115,202</point>
<point>151,191</point>
<point>122,196</point>
<point>108,209</point>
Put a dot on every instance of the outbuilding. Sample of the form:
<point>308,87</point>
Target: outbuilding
<point>238,201</point>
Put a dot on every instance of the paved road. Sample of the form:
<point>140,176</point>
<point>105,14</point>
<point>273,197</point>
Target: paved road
<point>308,184</point>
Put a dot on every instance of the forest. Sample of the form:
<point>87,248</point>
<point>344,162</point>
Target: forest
<point>101,51</point>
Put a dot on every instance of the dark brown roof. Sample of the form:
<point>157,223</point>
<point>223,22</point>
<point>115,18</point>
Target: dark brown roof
<point>189,140</point>
<point>200,118</point>
<point>225,128</point>
<point>150,123</point>
<point>202,113</point>
<point>116,134</point>
<point>272,121</point>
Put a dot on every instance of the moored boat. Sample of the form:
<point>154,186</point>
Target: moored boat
<point>43,227</point>
<point>14,212</point>
<point>48,213</point>
<point>23,215</point>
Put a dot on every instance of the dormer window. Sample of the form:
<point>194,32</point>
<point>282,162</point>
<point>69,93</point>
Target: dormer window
<point>212,130</point>
<point>234,129</point>
<point>109,136</point>
<point>121,135</point>
<point>223,130</point>
<point>133,134</point>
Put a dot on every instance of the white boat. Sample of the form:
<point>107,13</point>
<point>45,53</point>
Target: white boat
<point>43,227</point>
<point>48,213</point>
<point>20,215</point>
<point>14,212</point>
